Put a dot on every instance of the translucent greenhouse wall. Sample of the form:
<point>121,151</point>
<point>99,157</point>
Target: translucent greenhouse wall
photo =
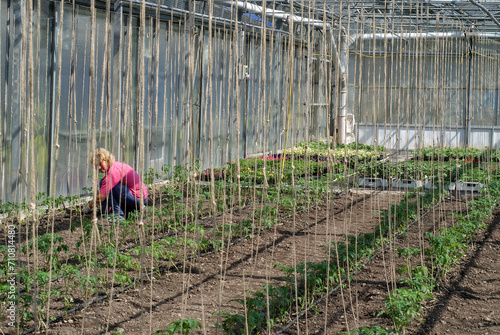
<point>162,97</point>
<point>162,91</point>
<point>425,93</point>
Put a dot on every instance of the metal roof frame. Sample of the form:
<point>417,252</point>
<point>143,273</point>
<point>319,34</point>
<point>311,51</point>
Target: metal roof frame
<point>430,15</point>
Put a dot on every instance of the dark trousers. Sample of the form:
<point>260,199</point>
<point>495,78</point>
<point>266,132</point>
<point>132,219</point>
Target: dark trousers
<point>120,201</point>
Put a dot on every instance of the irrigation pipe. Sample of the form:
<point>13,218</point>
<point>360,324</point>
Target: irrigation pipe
<point>175,266</point>
<point>199,223</point>
<point>179,231</point>
<point>155,239</point>
<point>81,306</point>
<point>168,234</point>
<point>291,323</point>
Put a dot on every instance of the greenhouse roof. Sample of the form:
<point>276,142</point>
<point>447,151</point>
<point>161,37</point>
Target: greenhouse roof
<point>414,15</point>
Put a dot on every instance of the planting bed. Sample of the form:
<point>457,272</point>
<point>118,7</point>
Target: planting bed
<point>358,304</point>
<point>246,255</point>
<point>469,300</point>
<point>207,284</point>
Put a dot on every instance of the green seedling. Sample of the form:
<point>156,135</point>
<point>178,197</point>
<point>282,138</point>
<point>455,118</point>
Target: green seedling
<point>403,305</point>
<point>182,327</point>
<point>122,278</point>
<point>118,259</point>
<point>69,276</point>
<point>50,246</point>
<point>371,330</point>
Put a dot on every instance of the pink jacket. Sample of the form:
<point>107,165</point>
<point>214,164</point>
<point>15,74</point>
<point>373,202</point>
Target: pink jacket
<point>124,174</point>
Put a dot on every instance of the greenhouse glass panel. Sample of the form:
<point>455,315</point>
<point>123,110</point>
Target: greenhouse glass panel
<point>213,112</point>
<point>129,99</point>
<point>14,151</point>
<point>157,95</point>
<point>319,93</point>
<point>455,73</point>
<point>400,72</point>
<point>399,106</point>
<point>187,95</point>
<point>276,79</point>
<point>299,108</point>
<point>273,81</point>
<point>72,166</point>
<point>42,89</point>
<point>375,72</point>
<point>152,95</point>
<point>252,110</point>
<point>352,104</point>
<point>5,148</point>
<point>165,98</point>
<point>484,107</point>
<point>174,89</point>
<point>484,72</point>
<point>373,105</point>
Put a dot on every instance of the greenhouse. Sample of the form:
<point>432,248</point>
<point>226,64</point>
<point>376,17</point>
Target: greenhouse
<point>249,167</point>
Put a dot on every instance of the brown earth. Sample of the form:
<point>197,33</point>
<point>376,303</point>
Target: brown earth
<point>359,303</point>
<point>469,299</point>
<point>208,284</point>
<point>467,303</point>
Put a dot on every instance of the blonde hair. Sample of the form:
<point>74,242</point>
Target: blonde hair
<point>101,155</point>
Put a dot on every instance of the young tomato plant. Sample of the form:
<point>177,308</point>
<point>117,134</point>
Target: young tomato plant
<point>50,246</point>
<point>183,327</point>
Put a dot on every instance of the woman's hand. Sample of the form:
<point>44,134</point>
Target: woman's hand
<point>87,209</point>
<point>100,198</point>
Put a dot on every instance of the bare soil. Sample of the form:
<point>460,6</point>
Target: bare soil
<point>469,299</point>
<point>198,287</point>
<point>209,284</point>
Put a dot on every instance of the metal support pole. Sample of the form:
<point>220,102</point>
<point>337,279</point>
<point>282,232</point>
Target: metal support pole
<point>117,77</point>
<point>56,31</point>
<point>468,107</point>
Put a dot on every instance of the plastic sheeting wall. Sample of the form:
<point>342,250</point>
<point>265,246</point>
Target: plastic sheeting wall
<point>173,100</point>
<point>418,92</point>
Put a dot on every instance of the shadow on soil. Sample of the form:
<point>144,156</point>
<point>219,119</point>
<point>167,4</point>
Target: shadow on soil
<point>455,287</point>
<point>234,264</point>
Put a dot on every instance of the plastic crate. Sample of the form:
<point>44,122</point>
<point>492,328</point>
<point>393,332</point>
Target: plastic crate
<point>407,183</point>
<point>373,182</point>
<point>430,186</point>
<point>468,186</point>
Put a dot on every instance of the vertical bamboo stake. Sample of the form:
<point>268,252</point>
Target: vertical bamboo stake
<point>56,142</point>
<point>237,55</point>
<point>28,34</point>
<point>2,132</point>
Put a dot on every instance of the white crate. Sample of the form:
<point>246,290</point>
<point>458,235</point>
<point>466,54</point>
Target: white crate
<point>430,186</point>
<point>468,186</point>
<point>407,183</point>
<point>373,182</point>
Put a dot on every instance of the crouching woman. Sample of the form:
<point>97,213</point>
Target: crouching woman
<point>121,191</point>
